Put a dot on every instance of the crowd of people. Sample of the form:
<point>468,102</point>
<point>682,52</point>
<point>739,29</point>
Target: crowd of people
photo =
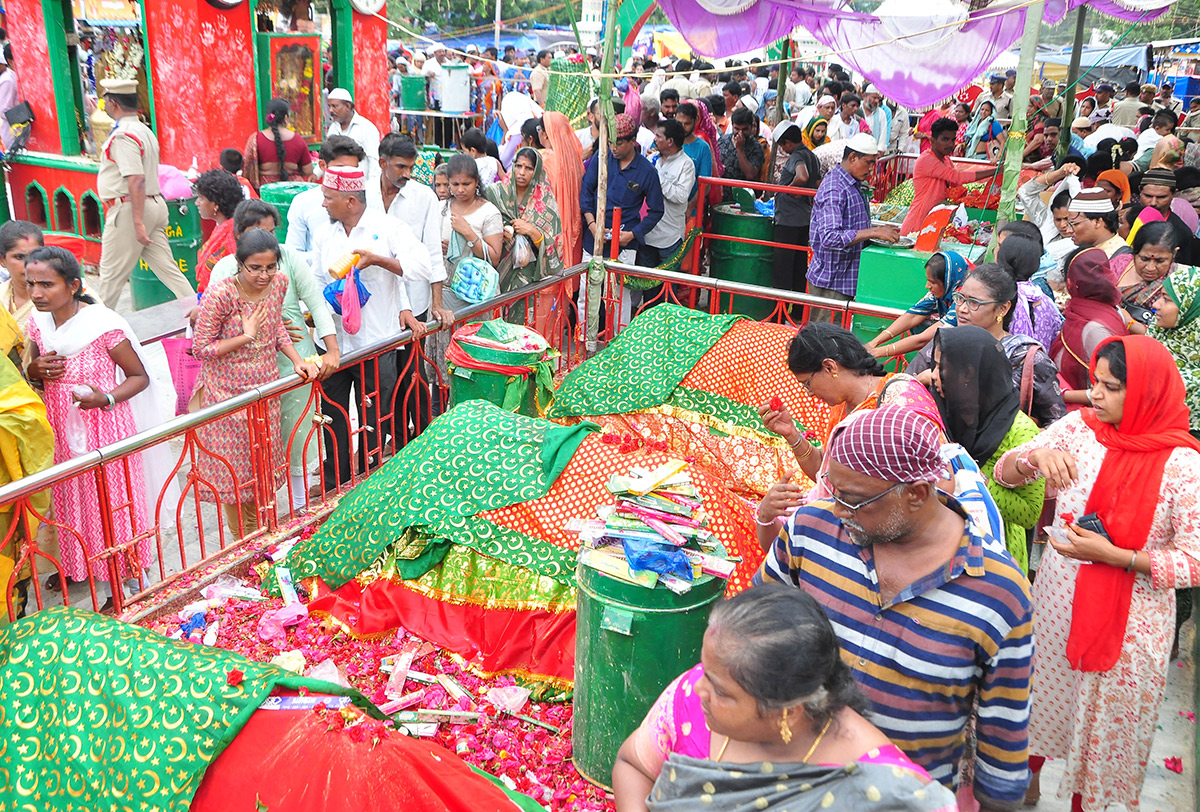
<point>1047,418</point>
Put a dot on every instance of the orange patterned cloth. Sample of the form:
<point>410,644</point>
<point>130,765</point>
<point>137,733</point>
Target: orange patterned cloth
<point>583,485</point>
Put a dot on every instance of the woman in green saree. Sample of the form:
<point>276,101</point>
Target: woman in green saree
<point>1177,327</point>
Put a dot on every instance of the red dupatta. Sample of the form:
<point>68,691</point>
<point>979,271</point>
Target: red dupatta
<point>220,244</point>
<point>1126,493</point>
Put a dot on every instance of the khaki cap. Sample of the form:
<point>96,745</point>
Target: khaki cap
<point>129,86</point>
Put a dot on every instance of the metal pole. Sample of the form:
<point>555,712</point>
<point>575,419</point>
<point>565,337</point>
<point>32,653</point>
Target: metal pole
<point>1068,112</point>
<point>596,273</point>
<point>496,34</point>
<point>1015,146</point>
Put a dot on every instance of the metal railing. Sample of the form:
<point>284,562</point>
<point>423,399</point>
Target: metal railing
<point>199,535</point>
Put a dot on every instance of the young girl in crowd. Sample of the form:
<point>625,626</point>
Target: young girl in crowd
<point>239,330</point>
<point>85,354</point>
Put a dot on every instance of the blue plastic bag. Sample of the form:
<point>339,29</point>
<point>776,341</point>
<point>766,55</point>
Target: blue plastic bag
<point>333,293</point>
<point>475,280</point>
<point>665,559</point>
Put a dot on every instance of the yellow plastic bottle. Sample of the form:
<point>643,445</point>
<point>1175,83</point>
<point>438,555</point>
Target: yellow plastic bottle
<point>343,266</point>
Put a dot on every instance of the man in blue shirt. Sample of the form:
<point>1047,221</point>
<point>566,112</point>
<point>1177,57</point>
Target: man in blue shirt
<point>632,181</point>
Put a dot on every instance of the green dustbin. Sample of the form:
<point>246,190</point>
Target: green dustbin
<point>494,387</point>
<point>630,643</point>
<point>412,92</point>
<point>743,262</point>
<point>183,233</point>
<point>280,196</point>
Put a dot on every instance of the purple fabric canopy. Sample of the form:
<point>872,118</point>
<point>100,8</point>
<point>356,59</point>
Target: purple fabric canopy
<point>916,72</point>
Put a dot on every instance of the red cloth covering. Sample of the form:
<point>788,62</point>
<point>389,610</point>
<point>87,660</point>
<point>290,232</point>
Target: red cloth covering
<point>1126,492</point>
<point>297,760</point>
<point>491,640</point>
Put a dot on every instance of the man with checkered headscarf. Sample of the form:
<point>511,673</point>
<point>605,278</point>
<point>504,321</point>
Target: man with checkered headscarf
<point>934,617</point>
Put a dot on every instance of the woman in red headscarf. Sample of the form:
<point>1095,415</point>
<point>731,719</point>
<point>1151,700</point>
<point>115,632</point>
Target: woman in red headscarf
<point>1127,466</point>
<point>1090,317</point>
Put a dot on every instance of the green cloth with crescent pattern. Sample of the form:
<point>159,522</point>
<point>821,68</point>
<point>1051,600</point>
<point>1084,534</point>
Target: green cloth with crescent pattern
<point>644,364</point>
<point>474,458</point>
<point>94,710</point>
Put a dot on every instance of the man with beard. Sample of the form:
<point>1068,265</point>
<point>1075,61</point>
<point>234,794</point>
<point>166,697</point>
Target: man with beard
<point>934,617</point>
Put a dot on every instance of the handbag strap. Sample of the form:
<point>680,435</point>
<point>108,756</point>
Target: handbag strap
<point>1027,380</point>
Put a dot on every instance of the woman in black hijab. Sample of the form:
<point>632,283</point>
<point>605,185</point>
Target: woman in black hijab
<point>980,407</point>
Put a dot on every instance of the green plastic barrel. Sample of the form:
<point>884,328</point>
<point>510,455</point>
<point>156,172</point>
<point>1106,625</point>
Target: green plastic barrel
<point>743,262</point>
<point>412,92</point>
<point>280,196</point>
<point>183,233</point>
<point>512,392</point>
<point>630,643</point>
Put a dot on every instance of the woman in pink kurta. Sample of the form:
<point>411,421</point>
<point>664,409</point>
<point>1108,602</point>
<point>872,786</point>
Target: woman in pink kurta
<point>85,353</point>
<point>1101,670</point>
<point>239,329</point>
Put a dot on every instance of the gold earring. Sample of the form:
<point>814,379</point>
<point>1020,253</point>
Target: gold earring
<point>999,319</point>
<point>833,374</point>
<point>785,732</point>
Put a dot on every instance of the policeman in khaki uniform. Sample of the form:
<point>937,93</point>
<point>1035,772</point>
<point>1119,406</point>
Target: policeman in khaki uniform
<point>136,219</point>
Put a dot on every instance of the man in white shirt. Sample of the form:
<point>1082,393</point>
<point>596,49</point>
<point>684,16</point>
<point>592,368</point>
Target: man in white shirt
<point>878,117</point>
<point>346,121</point>
<point>416,205</point>
<point>539,78</point>
<point>8,99</point>
<point>388,254</point>
<point>677,176</point>
<point>681,83</point>
<point>846,124</point>
<point>306,216</point>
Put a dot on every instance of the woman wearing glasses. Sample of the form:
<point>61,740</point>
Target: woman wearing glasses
<point>986,299</point>
<point>238,332</point>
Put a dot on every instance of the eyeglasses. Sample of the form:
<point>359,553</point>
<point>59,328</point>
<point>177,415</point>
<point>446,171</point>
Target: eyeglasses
<point>804,384</point>
<point>265,270</point>
<point>854,508</point>
<point>972,304</point>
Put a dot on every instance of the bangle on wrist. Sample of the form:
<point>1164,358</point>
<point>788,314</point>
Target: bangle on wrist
<point>1132,562</point>
<point>112,402</point>
<point>761,523</point>
<point>799,440</point>
<point>887,331</point>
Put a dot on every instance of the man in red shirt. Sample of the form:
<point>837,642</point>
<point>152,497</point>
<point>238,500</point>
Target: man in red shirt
<point>934,174</point>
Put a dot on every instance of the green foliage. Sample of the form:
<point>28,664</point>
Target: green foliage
<point>1180,22</point>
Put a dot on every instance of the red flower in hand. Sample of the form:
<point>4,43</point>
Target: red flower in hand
<point>234,677</point>
<point>776,404</point>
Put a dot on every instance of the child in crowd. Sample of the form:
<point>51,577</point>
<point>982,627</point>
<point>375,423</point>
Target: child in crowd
<point>475,144</point>
<point>232,162</point>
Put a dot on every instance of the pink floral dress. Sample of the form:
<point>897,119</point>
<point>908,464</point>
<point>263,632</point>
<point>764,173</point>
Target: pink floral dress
<point>1103,723</point>
<point>230,446</point>
<point>78,514</point>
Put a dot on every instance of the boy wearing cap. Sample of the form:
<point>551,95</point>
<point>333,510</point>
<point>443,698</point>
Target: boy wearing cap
<point>1104,105</point>
<point>934,174</point>
<point>136,213</point>
<point>346,121</point>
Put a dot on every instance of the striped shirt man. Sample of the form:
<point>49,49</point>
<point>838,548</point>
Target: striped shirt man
<point>960,634</point>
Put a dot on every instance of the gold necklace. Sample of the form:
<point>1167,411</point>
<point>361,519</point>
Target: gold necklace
<point>816,743</point>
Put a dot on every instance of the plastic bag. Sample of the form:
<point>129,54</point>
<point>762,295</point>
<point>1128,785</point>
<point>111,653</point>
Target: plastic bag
<point>327,671</point>
<point>333,294</point>
<point>351,305</point>
<point>523,253</point>
<point>664,559</point>
<point>227,587</point>
<point>75,430</point>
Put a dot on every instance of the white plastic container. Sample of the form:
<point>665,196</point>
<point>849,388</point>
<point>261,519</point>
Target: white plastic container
<point>456,88</point>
